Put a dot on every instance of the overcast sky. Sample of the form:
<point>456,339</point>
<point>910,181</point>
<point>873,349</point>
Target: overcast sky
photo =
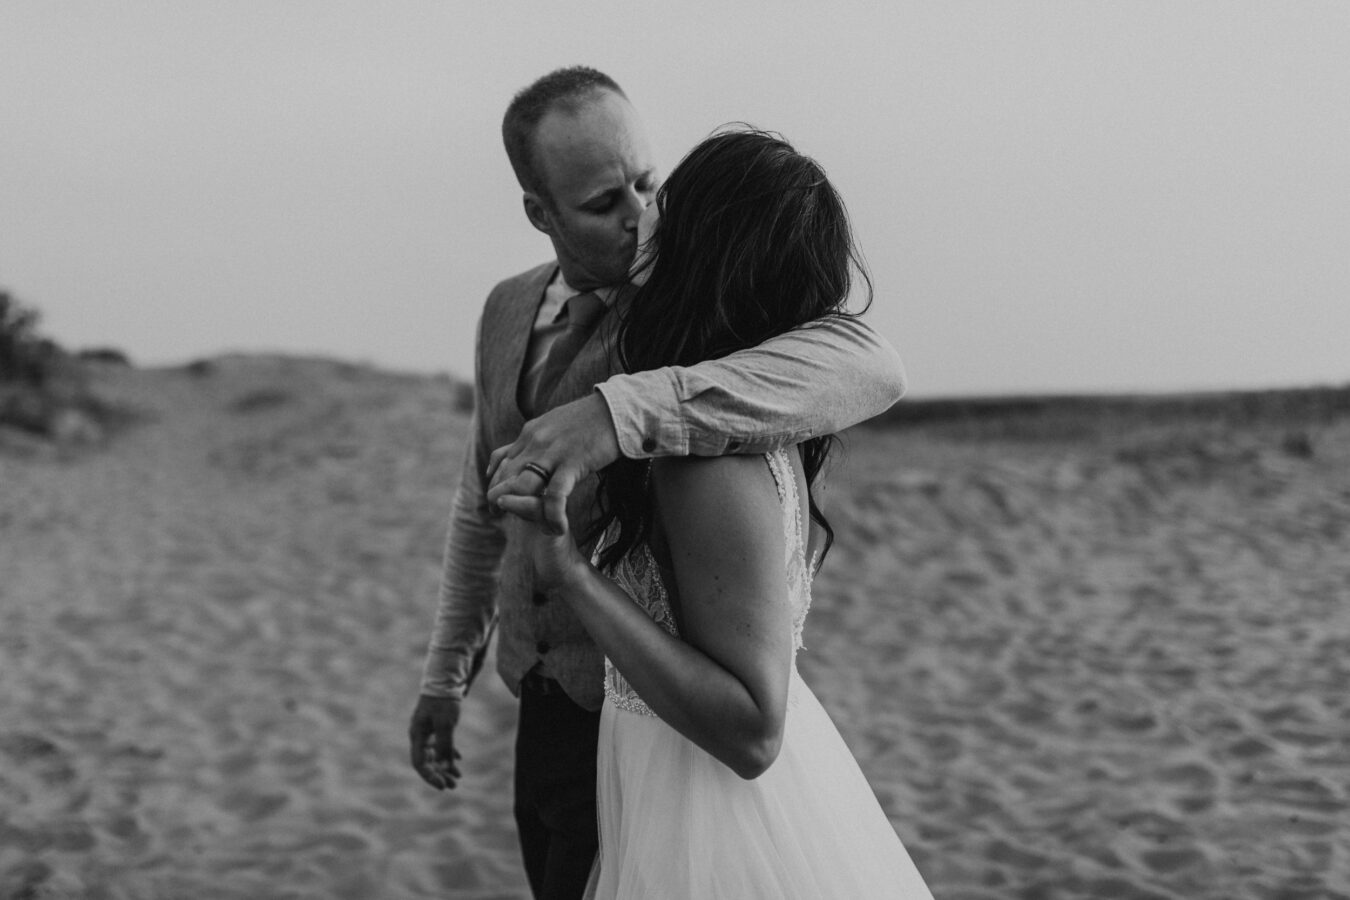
<point>1052,196</point>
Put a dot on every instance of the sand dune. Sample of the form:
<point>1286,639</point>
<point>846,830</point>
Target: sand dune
<point>1102,662</point>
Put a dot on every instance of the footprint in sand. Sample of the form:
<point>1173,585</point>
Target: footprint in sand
<point>1196,784</point>
<point>1302,793</point>
<point>1250,748</point>
<point>48,761</point>
<point>252,806</point>
<point>1170,861</point>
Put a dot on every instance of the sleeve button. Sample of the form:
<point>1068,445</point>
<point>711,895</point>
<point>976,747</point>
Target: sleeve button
<point>649,444</point>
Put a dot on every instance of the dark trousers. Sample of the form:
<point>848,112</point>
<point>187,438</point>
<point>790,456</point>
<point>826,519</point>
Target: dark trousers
<point>555,790</point>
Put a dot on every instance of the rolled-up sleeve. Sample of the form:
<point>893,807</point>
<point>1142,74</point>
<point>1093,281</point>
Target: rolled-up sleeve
<point>814,380</point>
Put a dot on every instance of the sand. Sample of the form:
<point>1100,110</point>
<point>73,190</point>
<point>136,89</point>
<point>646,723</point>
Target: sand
<point>1110,666</point>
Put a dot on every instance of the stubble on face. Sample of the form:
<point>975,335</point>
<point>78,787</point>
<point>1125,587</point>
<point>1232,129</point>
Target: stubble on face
<point>595,163</point>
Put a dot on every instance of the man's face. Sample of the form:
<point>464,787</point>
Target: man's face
<point>597,169</point>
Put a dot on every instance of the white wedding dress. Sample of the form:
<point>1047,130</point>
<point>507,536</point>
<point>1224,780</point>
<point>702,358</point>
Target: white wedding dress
<point>676,823</point>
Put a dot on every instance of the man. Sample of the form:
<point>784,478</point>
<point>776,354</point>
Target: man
<point>581,156</point>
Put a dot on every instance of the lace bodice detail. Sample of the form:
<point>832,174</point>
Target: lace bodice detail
<point>640,576</point>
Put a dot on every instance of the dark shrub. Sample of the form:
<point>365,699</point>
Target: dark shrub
<point>104,355</point>
<point>24,357</point>
<point>255,401</point>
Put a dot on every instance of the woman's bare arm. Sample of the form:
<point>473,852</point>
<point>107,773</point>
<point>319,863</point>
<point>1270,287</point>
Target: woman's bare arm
<point>724,684</point>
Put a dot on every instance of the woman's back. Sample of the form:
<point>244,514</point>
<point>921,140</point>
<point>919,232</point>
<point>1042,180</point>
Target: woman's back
<point>648,574</point>
<point>675,821</point>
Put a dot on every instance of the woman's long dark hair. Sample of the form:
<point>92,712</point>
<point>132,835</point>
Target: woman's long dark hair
<point>752,241</point>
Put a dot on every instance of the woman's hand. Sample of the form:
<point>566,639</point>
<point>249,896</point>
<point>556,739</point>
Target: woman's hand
<point>555,556</point>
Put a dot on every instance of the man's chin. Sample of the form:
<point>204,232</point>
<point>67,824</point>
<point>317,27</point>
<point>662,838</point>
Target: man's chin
<point>616,279</point>
<point>624,265</point>
<point>595,279</point>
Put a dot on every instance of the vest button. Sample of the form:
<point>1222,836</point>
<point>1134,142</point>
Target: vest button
<point>542,647</point>
<point>540,599</point>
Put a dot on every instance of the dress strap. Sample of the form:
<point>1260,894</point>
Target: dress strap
<point>785,479</point>
<point>798,573</point>
<point>786,482</point>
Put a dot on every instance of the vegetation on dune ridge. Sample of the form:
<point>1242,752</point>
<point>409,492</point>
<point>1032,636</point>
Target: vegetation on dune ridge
<point>44,390</point>
<point>25,356</point>
<point>1049,417</point>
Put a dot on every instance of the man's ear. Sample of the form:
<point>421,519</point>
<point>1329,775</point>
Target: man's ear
<point>537,213</point>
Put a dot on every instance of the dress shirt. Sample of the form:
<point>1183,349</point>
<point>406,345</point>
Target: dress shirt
<point>549,325</point>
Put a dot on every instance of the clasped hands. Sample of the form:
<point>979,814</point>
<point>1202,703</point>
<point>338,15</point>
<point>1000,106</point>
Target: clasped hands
<point>534,475</point>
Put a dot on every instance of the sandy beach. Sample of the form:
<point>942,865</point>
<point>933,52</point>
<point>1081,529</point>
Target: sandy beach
<point>1097,662</point>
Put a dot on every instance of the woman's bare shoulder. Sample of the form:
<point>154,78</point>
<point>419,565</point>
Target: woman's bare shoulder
<point>712,479</point>
<point>717,492</point>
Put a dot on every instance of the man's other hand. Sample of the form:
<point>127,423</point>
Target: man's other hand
<point>431,739</point>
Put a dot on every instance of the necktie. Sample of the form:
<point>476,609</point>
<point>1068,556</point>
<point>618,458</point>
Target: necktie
<point>583,312</point>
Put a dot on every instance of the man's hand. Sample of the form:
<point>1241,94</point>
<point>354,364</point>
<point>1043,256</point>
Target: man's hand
<point>431,738</point>
<point>569,442</point>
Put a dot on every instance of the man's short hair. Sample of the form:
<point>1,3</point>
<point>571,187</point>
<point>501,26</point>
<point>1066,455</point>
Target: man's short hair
<point>565,89</point>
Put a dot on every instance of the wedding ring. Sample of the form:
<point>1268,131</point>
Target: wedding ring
<point>538,470</point>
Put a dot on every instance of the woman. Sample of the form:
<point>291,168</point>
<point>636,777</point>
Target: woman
<point>720,775</point>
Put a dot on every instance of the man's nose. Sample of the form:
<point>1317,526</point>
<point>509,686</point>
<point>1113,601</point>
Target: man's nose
<point>634,203</point>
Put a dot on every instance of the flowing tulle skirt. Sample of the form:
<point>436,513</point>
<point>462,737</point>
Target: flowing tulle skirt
<point>676,823</point>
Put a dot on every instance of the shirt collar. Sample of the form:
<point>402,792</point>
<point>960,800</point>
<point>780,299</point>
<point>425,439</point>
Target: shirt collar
<point>606,294</point>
